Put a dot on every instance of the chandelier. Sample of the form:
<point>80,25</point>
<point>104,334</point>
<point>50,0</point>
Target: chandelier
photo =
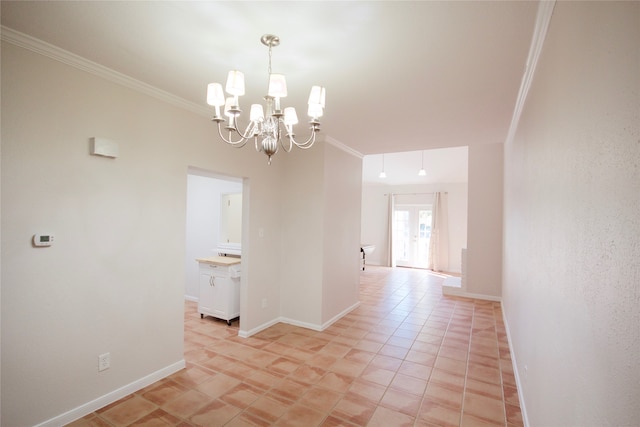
<point>269,126</point>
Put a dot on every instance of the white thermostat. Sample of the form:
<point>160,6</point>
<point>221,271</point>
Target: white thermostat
<point>42,239</point>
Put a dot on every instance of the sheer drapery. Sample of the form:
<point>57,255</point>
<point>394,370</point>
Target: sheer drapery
<point>391,259</point>
<point>439,242</point>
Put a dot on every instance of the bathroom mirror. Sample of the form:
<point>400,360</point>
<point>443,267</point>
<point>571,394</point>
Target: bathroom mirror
<point>231,219</point>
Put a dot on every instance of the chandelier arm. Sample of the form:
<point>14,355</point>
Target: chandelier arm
<point>239,144</point>
<point>248,132</point>
<point>282,143</point>
<point>304,145</point>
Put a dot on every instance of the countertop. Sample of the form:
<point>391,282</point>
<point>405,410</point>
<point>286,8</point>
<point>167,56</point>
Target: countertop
<point>220,260</point>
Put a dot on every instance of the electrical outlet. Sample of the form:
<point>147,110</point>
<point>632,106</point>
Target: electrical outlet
<point>104,361</point>
<point>264,303</point>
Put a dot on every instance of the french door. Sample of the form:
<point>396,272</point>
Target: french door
<point>411,234</point>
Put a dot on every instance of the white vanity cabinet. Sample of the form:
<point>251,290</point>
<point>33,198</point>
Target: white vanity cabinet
<point>219,287</point>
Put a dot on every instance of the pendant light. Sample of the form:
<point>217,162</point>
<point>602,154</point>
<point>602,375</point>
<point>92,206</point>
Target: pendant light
<point>422,172</point>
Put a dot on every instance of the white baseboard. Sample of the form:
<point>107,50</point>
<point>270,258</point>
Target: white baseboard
<point>112,396</point>
<point>523,408</point>
<point>246,334</point>
<point>340,315</point>
<point>190,298</point>
<point>452,282</point>
<point>458,292</point>
<point>312,326</point>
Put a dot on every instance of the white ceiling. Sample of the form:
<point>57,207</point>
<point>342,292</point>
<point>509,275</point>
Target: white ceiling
<point>400,75</point>
<point>442,165</point>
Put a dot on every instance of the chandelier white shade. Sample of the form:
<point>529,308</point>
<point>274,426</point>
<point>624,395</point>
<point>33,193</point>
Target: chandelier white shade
<point>265,123</point>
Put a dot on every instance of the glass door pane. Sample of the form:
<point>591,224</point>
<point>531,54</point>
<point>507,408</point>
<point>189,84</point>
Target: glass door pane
<point>402,237</point>
<point>411,233</point>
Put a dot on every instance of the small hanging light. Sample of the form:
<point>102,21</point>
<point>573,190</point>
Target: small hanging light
<point>382,173</point>
<point>422,172</point>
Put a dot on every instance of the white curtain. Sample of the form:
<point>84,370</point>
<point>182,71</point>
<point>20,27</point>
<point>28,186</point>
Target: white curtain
<point>391,260</point>
<point>439,242</point>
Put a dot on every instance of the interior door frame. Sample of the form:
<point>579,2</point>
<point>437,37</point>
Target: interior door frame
<point>414,218</point>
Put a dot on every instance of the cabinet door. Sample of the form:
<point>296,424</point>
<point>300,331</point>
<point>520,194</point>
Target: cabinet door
<point>219,307</point>
<point>207,297</point>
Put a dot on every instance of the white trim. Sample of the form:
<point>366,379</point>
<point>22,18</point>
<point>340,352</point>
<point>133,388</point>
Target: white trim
<point>294,322</point>
<point>112,396</point>
<point>46,49</point>
<point>43,48</point>
<point>312,326</point>
<point>340,315</point>
<point>190,298</point>
<point>523,408</point>
<point>341,146</point>
<point>543,18</point>
<point>246,334</point>
<point>457,292</point>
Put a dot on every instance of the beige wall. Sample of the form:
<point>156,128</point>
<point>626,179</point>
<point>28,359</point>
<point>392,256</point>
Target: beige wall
<point>341,225</point>
<point>321,222</point>
<point>484,235</point>
<point>114,279</point>
<point>572,229</point>
<point>302,225</point>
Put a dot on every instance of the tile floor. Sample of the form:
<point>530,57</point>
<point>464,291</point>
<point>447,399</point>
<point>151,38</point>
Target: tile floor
<point>407,356</point>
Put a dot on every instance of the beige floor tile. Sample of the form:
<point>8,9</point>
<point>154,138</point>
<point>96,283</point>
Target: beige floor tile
<point>128,411</point>
<point>216,413</point>
<point>415,370</point>
<point>484,373</point>
<point>187,403</point>
<point>336,382</point>
<point>444,396</point>
<point>386,362</point>
<point>384,417</point>
<point>409,384</point>
<point>157,418</point>
<point>242,395</point>
<point>407,355</point>
<point>401,401</point>
<point>268,408</point>
<point>493,391</point>
<point>437,414</point>
<point>378,375</point>
<point>287,391</point>
<point>321,399</point>
<point>485,408</point>
<point>394,351</point>
<point>163,391</point>
<point>368,390</point>
<point>354,409</point>
<point>299,415</point>
<point>453,366</point>
<point>218,385</point>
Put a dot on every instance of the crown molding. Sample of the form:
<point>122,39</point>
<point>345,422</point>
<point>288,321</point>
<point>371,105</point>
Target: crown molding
<point>543,18</point>
<point>343,147</point>
<point>43,48</point>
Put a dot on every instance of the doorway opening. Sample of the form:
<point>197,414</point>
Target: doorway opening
<point>208,225</point>
<point>412,232</point>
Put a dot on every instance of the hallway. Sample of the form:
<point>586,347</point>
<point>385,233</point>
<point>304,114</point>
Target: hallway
<point>407,356</point>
